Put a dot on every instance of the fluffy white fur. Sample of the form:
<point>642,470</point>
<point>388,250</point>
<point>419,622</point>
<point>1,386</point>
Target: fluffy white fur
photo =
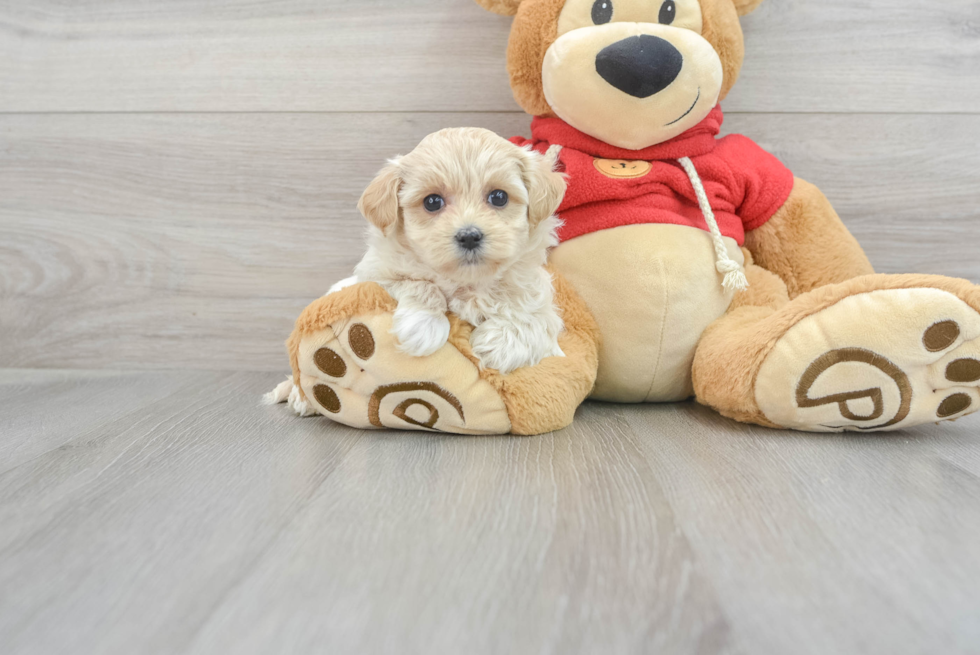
<point>502,289</point>
<point>286,391</point>
<point>516,322</point>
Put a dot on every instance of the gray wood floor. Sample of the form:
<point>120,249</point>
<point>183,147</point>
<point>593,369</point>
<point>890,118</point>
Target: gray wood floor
<point>167,512</point>
<point>178,180</point>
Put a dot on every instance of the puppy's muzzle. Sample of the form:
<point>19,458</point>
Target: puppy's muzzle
<point>640,65</point>
<point>469,238</point>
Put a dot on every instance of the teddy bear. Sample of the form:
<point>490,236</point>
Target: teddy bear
<point>690,265</point>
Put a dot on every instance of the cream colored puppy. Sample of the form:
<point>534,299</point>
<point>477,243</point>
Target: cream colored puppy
<point>463,223</point>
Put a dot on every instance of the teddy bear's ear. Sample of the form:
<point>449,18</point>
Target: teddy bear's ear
<point>502,7</point>
<point>746,6</point>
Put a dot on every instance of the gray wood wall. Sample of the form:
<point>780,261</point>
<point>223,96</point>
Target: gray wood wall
<point>178,179</point>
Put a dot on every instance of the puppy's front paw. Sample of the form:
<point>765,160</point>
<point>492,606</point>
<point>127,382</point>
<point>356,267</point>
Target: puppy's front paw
<point>420,333</point>
<point>507,348</point>
<point>491,358</point>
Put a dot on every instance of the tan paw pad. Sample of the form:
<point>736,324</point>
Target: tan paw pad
<point>963,371</point>
<point>941,336</point>
<point>330,363</point>
<point>326,398</point>
<point>353,373</point>
<point>955,404</point>
<point>875,361</point>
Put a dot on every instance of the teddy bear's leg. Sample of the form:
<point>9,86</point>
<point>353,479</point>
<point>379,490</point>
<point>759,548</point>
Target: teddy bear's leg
<point>719,376</point>
<point>878,352</point>
<point>806,244</point>
<point>346,366</point>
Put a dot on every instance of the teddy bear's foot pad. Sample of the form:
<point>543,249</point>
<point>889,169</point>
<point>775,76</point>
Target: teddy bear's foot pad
<point>881,360</point>
<point>353,373</point>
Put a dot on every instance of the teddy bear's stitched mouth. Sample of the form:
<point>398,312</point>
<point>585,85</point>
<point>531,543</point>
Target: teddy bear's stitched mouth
<point>688,111</point>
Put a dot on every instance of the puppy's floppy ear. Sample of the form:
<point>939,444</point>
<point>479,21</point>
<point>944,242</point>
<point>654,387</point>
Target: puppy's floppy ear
<point>746,6</point>
<point>379,202</point>
<point>545,187</point>
<point>502,7</point>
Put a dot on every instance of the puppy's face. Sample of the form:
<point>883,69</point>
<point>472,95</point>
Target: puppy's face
<point>465,201</point>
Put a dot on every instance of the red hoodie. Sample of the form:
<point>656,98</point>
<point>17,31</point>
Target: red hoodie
<point>609,186</point>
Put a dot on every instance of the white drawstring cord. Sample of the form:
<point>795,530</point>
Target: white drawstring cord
<point>734,272</point>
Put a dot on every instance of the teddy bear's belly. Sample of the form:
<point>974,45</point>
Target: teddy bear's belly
<point>653,290</point>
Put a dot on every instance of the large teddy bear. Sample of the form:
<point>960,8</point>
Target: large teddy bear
<point>690,265</point>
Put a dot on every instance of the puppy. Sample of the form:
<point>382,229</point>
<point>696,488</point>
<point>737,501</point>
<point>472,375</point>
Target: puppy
<point>463,223</point>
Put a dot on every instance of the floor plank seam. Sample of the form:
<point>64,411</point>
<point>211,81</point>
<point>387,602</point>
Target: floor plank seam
<point>252,565</point>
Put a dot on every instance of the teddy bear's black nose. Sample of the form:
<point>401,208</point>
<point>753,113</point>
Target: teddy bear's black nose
<point>640,65</point>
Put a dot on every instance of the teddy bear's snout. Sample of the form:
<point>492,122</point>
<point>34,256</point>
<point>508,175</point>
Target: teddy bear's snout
<point>640,66</point>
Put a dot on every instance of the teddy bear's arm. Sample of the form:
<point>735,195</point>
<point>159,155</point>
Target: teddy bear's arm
<point>806,244</point>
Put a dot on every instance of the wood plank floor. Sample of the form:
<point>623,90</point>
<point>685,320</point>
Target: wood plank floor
<point>176,515</point>
<point>178,180</point>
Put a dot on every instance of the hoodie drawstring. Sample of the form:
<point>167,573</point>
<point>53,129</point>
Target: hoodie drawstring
<point>734,272</point>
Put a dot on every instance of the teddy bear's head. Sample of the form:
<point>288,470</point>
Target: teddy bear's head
<point>632,73</point>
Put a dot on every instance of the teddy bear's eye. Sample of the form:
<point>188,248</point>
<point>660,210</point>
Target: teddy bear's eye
<point>602,12</point>
<point>668,11</point>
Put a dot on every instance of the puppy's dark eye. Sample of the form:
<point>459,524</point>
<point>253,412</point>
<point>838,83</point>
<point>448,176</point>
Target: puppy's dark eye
<point>498,198</point>
<point>602,12</point>
<point>433,203</point>
<point>668,12</point>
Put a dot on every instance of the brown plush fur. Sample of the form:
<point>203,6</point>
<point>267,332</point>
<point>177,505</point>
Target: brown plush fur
<point>765,289</point>
<point>806,244</point>
<point>364,298</point>
<point>727,361</point>
<point>728,342</point>
<point>539,399</point>
<point>746,6</point>
<point>544,398</point>
<point>536,29</point>
<point>502,7</point>
<point>509,7</point>
<point>733,349</point>
<point>723,31</point>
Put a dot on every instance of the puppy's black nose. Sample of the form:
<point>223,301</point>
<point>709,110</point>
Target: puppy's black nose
<point>469,238</point>
<point>640,65</point>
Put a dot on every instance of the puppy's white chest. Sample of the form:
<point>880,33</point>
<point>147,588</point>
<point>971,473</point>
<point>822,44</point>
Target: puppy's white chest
<point>468,307</point>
